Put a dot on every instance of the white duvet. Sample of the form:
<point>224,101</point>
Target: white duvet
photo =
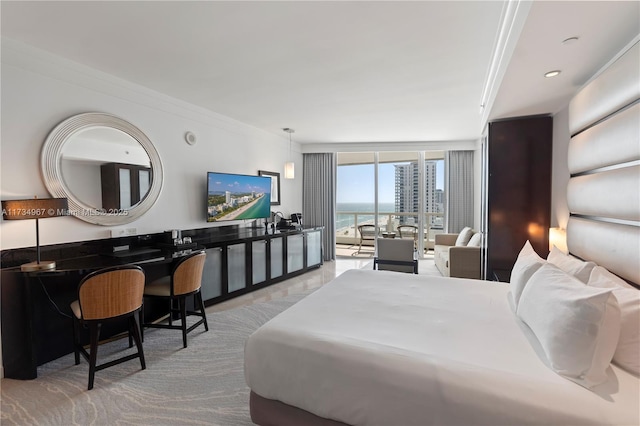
<point>384,348</point>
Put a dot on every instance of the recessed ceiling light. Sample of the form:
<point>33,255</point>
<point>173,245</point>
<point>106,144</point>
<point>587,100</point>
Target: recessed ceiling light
<point>552,73</point>
<point>570,40</point>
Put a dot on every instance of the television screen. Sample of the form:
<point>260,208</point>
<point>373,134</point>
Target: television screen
<point>237,197</point>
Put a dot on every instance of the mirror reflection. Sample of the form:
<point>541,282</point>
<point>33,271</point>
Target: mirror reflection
<point>106,168</point>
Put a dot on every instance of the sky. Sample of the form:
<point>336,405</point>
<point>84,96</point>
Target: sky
<point>356,183</point>
<point>238,183</point>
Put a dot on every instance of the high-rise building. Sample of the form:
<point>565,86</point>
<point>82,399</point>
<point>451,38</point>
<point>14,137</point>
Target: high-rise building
<point>439,199</point>
<point>406,189</point>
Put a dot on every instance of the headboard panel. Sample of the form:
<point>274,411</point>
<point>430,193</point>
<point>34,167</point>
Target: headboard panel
<point>591,149</point>
<point>603,194</point>
<point>610,91</point>
<point>618,194</point>
<point>611,245</point>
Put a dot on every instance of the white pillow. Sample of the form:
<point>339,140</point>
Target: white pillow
<point>603,273</point>
<point>464,236</point>
<point>526,264</point>
<point>570,264</point>
<point>475,240</point>
<point>627,354</point>
<point>577,325</point>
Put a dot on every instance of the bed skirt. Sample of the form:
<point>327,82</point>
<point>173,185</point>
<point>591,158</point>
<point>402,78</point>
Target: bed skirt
<point>268,412</point>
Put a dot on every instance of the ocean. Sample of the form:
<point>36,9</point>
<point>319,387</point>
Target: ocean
<point>346,220</point>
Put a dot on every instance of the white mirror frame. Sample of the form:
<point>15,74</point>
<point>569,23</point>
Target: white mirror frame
<point>51,166</point>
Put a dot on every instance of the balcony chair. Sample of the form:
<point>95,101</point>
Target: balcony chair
<point>107,294</point>
<point>367,233</point>
<point>408,232</point>
<point>184,281</point>
<point>396,255</point>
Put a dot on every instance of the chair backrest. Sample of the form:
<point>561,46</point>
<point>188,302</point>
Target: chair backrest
<point>407,231</point>
<point>187,275</point>
<point>395,249</point>
<point>367,232</point>
<point>111,292</point>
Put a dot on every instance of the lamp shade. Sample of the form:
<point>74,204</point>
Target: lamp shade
<point>35,208</point>
<point>289,170</point>
<point>558,238</point>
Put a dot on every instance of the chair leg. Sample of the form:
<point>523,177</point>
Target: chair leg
<point>130,338</point>
<point>141,322</point>
<point>183,314</point>
<point>76,339</point>
<point>136,327</point>
<point>93,355</point>
<point>204,315</point>
<point>170,311</point>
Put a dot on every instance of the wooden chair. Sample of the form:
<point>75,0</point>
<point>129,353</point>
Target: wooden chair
<point>107,294</point>
<point>396,255</point>
<point>367,233</point>
<point>185,281</point>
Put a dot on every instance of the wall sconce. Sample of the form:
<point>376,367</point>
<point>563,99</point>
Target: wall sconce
<point>289,166</point>
<point>558,238</point>
<point>36,208</point>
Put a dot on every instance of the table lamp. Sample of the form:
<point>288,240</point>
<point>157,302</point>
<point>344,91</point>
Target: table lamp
<point>36,208</point>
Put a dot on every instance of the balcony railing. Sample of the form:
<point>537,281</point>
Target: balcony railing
<point>348,222</point>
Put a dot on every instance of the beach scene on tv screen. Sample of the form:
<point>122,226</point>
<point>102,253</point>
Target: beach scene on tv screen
<point>237,197</point>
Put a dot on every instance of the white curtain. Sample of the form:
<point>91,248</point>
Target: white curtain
<point>319,197</point>
<point>459,181</point>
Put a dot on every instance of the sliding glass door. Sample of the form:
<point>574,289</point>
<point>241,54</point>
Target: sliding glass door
<point>401,193</point>
<point>355,199</point>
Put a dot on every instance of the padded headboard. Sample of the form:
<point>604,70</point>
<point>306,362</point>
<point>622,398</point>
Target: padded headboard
<point>603,194</point>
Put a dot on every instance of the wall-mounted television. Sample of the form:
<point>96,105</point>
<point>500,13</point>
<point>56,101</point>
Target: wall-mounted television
<point>237,197</point>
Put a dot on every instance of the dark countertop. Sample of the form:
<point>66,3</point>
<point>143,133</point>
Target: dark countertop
<point>151,249</point>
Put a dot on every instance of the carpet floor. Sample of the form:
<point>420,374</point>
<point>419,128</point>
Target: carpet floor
<point>202,384</point>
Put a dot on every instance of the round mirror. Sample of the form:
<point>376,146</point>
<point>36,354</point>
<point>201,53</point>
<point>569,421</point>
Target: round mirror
<point>105,166</point>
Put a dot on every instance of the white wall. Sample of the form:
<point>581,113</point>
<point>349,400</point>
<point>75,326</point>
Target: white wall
<point>560,169</point>
<point>40,90</point>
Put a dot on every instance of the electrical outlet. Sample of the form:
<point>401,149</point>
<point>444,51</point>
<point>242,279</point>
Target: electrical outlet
<point>115,233</point>
<point>128,232</point>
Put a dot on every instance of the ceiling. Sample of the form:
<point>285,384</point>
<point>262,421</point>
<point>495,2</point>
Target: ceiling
<point>340,71</point>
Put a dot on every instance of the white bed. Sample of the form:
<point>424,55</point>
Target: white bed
<point>375,347</point>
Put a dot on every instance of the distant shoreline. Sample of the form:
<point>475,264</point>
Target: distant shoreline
<point>242,209</point>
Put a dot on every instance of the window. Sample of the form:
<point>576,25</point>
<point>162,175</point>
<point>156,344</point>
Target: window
<point>409,190</point>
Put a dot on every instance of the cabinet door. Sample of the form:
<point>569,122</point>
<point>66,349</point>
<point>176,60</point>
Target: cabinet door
<point>258,261</point>
<point>125,188</point>
<point>212,274</point>
<point>314,248</point>
<point>295,253</point>
<point>123,185</point>
<point>276,245</point>
<point>144,182</point>
<point>236,267</point>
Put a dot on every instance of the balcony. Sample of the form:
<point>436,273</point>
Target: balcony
<point>348,239</point>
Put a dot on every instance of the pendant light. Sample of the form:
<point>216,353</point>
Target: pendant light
<point>289,166</point>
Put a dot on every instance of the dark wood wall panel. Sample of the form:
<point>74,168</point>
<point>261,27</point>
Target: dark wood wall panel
<point>518,190</point>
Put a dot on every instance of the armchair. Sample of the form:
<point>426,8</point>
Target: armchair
<point>396,255</point>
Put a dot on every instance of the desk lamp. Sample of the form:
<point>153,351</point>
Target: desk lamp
<point>36,208</point>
